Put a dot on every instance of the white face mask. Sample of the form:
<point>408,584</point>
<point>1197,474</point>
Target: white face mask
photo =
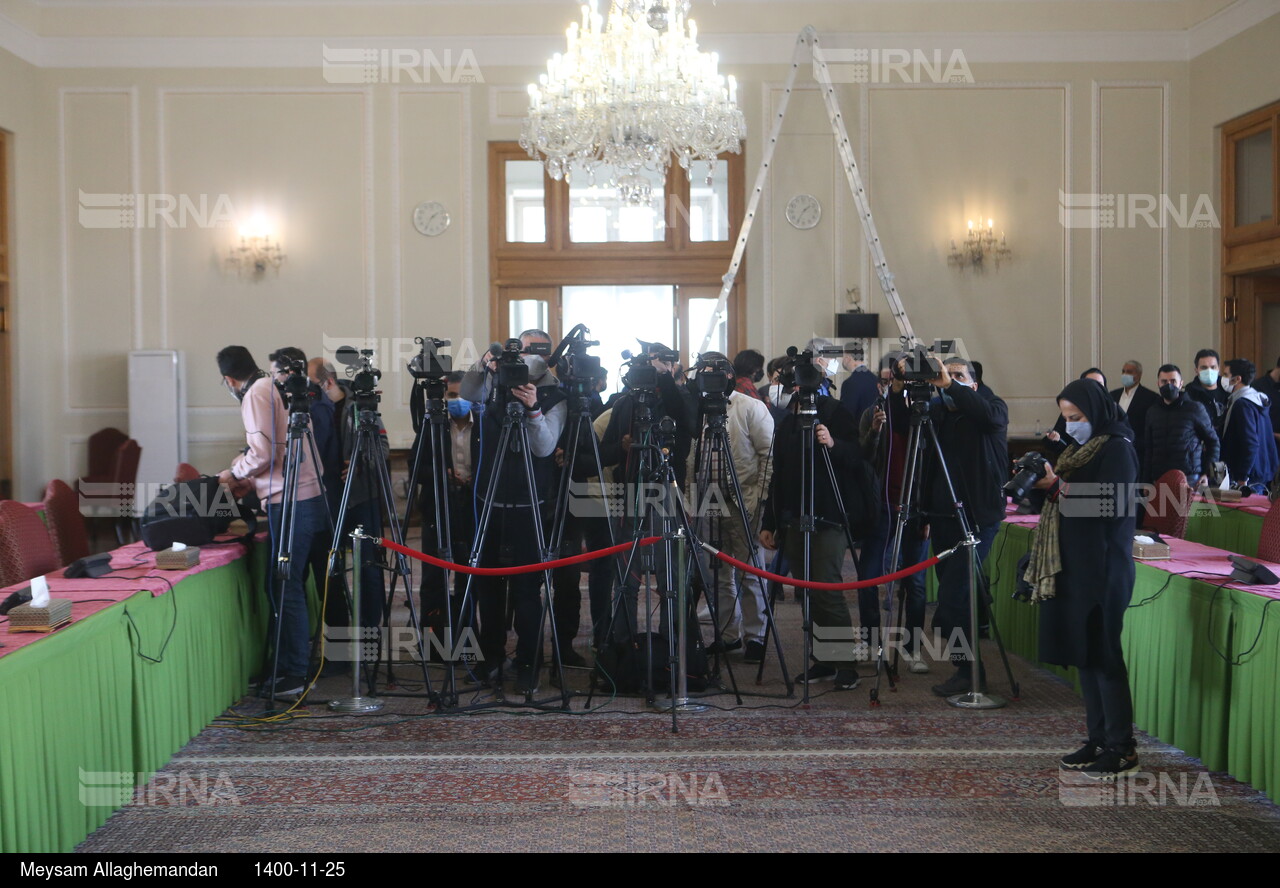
<point>832,368</point>
<point>537,365</point>
<point>1225,382</point>
<point>1080,432</point>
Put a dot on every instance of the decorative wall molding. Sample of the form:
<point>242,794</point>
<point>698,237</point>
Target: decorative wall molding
<point>64,229</point>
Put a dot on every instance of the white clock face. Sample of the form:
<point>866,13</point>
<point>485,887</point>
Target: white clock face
<point>804,211</point>
<point>431,218</point>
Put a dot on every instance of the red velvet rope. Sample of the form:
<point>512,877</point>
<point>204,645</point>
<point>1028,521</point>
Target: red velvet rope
<point>510,571</point>
<point>826,587</point>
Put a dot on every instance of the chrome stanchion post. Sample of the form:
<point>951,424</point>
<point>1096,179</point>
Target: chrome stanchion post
<point>356,704</point>
<point>976,698</point>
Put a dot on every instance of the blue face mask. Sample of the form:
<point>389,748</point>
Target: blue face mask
<point>1126,380</point>
<point>459,407</point>
<point>1080,432</point>
<point>1208,376</point>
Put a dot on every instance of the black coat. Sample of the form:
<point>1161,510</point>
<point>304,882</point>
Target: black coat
<point>1097,564</point>
<point>1178,436</point>
<point>783,504</point>
<point>975,444</point>
<point>1143,400</point>
<point>673,401</point>
<point>1213,401</point>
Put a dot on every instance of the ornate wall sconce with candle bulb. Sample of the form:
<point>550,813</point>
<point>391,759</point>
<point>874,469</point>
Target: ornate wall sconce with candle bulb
<point>980,248</point>
<point>255,252</point>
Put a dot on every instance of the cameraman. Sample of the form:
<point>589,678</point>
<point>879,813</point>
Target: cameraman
<point>836,430</point>
<point>363,508</point>
<point>512,538</point>
<point>749,427</point>
<point>672,401</point>
<point>461,458</point>
<point>971,427</point>
<point>261,466</point>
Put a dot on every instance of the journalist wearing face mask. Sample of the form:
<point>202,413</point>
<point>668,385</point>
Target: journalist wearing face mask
<point>1081,572</point>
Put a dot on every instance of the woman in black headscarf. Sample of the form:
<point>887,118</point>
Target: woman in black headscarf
<point>1081,569</point>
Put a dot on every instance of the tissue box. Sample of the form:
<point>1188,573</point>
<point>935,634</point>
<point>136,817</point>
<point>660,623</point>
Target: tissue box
<point>182,559</point>
<point>1151,551</point>
<point>25,618</point>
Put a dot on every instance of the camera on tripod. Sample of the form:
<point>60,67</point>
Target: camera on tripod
<point>513,372</point>
<point>713,377</point>
<point>364,376</point>
<point>582,372</point>
<point>294,386</point>
<point>641,375</point>
<point>1027,471</point>
<point>800,373</point>
<point>428,363</point>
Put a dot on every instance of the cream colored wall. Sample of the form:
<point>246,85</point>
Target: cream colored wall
<point>344,166</point>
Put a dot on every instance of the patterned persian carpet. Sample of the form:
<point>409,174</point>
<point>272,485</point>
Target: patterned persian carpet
<point>911,775</point>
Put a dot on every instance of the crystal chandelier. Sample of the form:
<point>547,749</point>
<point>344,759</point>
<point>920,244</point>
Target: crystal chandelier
<point>627,93</point>
<point>980,248</point>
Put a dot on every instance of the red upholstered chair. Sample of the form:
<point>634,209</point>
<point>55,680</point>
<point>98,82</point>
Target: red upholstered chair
<point>104,445</point>
<point>1167,512</point>
<point>1269,539</point>
<point>26,549</point>
<point>66,524</point>
<point>126,477</point>
<point>186,472</point>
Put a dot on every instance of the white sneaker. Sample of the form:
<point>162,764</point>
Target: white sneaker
<point>916,664</point>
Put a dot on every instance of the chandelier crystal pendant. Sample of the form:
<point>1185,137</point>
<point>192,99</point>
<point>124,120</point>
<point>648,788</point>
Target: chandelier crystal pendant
<point>629,92</point>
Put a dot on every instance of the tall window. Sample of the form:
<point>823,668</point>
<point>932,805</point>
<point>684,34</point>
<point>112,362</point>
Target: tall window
<point>566,253</point>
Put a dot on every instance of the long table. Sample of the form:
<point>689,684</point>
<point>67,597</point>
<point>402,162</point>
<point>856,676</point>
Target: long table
<point>1235,527</point>
<point>1176,635</point>
<point>122,688</point>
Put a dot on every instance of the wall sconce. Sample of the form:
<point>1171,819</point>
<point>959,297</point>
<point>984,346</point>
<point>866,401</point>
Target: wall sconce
<point>980,248</point>
<point>255,252</point>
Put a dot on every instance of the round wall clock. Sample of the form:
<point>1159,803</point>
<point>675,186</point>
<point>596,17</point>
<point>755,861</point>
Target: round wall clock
<point>431,218</point>
<point>804,211</point>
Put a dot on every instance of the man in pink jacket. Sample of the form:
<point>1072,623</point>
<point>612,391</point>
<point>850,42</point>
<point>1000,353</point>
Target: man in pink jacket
<point>261,465</point>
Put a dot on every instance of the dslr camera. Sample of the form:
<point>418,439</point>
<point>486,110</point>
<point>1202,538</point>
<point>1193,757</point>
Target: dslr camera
<point>1027,471</point>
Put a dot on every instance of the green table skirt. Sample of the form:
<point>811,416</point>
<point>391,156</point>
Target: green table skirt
<point>1175,640</point>
<point>1231,529</point>
<point>85,706</point>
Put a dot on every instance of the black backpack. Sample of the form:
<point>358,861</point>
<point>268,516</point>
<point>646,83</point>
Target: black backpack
<point>621,665</point>
<point>193,513</point>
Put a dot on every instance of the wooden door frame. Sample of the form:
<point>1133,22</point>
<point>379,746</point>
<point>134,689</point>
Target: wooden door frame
<point>6,312</point>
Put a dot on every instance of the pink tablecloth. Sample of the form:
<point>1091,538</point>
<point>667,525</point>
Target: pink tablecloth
<point>133,570</point>
<point>1254,505</point>
<point>1202,562</point>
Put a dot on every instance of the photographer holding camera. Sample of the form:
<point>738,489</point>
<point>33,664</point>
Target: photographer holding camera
<point>971,427</point>
<point>513,539</point>
<point>1081,570</point>
<point>673,401</point>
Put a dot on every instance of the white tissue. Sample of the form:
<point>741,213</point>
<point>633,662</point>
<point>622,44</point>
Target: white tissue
<point>178,547</point>
<point>1144,540</point>
<point>39,592</point>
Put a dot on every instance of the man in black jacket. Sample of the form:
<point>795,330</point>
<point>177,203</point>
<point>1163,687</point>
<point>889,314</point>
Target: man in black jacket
<point>1179,434</point>
<point>837,430</point>
<point>1134,399</point>
<point>972,429</point>
<point>1206,388</point>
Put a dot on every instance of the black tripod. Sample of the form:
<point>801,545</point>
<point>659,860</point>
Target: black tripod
<point>514,439</point>
<point>294,394</point>
<point>807,417</point>
<point>433,438</point>
<point>714,470</point>
<point>665,513</point>
<point>923,435</point>
<point>368,465</point>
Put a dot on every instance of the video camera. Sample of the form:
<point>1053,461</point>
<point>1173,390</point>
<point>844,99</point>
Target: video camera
<point>364,376</point>
<point>641,375</point>
<point>799,372</point>
<point>513,372</point>
<point>581,373</point>
<point>428,363</point>
<point>713,377</point>
<point>917,364</point>
<point>295,385</point>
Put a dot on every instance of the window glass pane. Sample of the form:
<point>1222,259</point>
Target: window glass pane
<point>620,316</point>
<point>526,219</point>
<point>1253,178</point>
<point>709,202</point>
<point>701,312</point>
<point>527,314</point>
<point>598,213</point>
